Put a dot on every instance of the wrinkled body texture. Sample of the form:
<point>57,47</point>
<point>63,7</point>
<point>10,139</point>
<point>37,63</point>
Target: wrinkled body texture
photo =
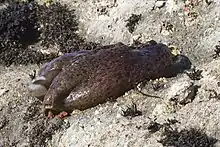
<point>84,79</point>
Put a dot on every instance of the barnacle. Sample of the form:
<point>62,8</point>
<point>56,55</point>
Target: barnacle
<point>174,49</point>
<point>131,111</point>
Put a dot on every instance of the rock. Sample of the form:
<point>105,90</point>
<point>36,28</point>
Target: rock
<point>179,92</point>
<point>182,91</point>
<point>105,127</point>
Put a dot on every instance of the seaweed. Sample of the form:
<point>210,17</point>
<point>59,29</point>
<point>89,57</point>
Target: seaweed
<point>132,22</point>
<point>26,23</point>
<point>18,29</point>
<point>187,137</point>
<point>194,74</point>
<point>217,51</point>
<point>58,26</point>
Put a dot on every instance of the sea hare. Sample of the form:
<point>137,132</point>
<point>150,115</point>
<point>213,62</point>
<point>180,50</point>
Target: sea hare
<point>84,79</point>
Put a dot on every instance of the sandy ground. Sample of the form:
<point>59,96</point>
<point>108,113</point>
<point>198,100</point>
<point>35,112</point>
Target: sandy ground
<point>191,26</point>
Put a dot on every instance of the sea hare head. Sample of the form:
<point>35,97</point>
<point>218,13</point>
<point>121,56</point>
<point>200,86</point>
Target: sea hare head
<point>40,85</point>
<point>37,90</point>
<point>49,71</point>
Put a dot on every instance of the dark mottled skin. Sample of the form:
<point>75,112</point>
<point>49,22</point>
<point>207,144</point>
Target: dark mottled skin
<point>85,79</point>
<point>51,69</point>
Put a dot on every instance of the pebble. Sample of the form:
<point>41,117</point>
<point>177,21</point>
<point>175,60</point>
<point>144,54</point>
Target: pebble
<point>3,91</point>
<point>160,4</point>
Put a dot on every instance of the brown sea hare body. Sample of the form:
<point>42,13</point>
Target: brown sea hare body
<point>84,79</point>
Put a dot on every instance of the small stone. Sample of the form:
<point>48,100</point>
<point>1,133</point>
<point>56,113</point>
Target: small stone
<point>3,121</point>
<point>96,112</point>
<point>160,4</point>
<point>137,37</point>
<point>3,91</point>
